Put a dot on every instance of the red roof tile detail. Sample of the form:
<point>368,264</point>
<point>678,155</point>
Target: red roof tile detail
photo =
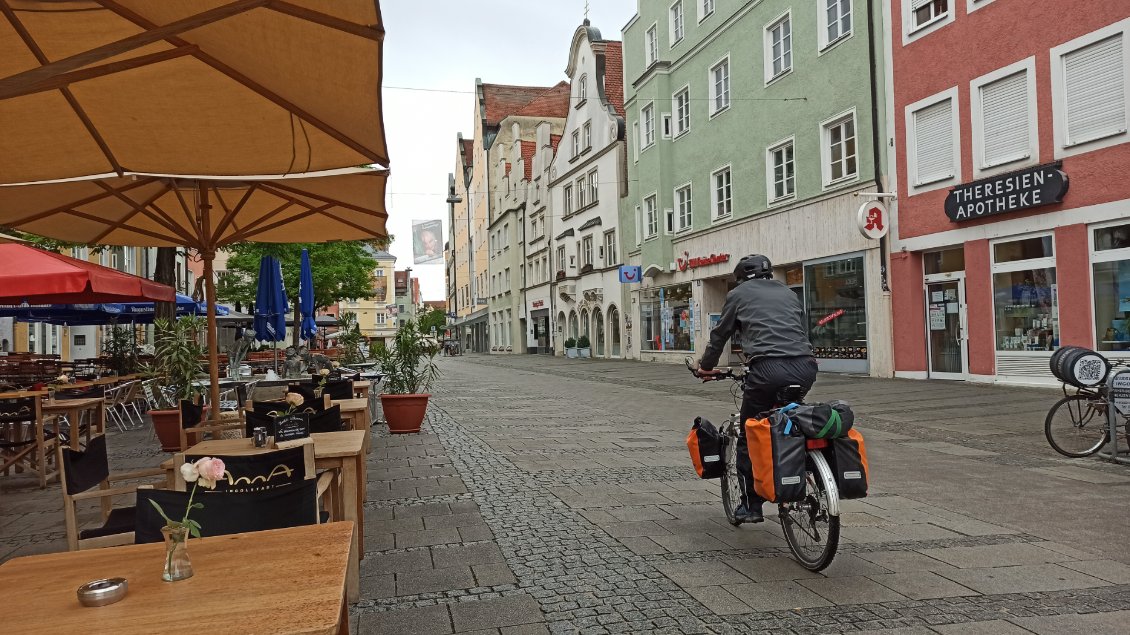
<point>553,102</point>
<point>614,75</point>
<point>528,149</point>
<point>468,152</point>
<point>507,168</point>
<point>501,100</point>
<point>554,140</point>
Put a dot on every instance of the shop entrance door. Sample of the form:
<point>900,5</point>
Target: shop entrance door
<point>946,332</point>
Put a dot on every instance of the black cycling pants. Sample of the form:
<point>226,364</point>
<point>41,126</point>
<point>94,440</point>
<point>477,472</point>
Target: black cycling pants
<point>764,379</point>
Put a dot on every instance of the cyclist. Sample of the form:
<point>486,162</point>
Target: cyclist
<point>766,318</point>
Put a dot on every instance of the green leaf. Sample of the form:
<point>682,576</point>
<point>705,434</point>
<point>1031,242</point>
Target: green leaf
<point>194,531</point>
<point>162,512</point>
<point>198,506</point>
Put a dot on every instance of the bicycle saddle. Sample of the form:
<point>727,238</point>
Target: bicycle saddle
<point>791,394</point>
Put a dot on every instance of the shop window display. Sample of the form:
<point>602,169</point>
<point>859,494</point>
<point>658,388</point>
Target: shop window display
<point>1025,295</point>
<point>667,319</point>
<point>1111,275</point>
<point>836,304</point>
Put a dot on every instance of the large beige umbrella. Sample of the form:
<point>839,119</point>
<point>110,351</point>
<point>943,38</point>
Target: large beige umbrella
<point>208,87</point>
<point>203,214</point>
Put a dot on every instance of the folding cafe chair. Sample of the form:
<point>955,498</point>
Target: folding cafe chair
<point>26,441</point>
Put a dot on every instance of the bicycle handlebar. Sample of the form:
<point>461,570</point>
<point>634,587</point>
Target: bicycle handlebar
<point>724,372</point>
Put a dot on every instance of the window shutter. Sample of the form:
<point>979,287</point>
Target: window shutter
<point>1004,117</point>
<point>918,4</point>
<point>1094,82</point>
<point>933,132</point>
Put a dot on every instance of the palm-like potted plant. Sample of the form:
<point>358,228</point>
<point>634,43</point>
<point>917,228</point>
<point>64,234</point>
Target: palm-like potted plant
<point>409,370</point>
<point>583,346</point>
<point>571,348</point>
<point>176,363</point>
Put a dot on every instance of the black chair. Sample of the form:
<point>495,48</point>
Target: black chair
<point>26,443</point>
<point>86,475</point>
<point>307,392</point>
<point>339,389</point>
<point>266,470</point>
<point>328,420</point>
<point>231,513</point>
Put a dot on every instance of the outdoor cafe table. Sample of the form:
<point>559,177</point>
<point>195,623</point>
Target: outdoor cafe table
<point>271,582</point>
<point>73,409</point>
<point>356,412</point>
<point>361,389</point>
<point>332,450</point>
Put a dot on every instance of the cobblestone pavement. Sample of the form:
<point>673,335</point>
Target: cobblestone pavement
<point>555,496</point>
<point>569,480</point>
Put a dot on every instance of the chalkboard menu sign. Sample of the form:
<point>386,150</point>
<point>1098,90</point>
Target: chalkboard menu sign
<point>292,426</point>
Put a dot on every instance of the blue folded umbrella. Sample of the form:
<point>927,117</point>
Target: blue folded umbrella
<point>309,328</point>
<point>270,302</point>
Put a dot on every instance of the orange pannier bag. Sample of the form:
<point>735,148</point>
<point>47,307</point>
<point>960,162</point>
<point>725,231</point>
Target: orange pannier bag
<point>847,456</point>
<point>705,446</point>
<point>777,451</point>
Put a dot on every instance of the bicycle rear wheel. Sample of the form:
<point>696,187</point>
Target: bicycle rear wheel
<point>812,526</point>
<point>732,483</point>
<point>1076,426</point>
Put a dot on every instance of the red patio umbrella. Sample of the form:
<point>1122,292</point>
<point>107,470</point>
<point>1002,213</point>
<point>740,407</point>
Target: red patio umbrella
<point>36,276</point>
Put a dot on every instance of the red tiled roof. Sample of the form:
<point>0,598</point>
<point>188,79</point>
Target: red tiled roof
<point>436,304</point>
<point>553,102</point>
<point>528,149</point>
<point>507,168</point>
<point>501,100</point>
<point>468,152</point>
<point>554,140</point>
<point>614,75</point>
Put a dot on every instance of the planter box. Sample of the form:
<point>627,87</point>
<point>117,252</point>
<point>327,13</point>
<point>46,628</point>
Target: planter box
<point>585,352</point>
<point>572,353</point>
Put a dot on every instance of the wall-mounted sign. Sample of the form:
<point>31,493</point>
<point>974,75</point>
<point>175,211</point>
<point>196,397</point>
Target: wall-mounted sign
<point>1033,187</point>
<point>872,220</point>
<point>831,316</point>
<point>630,274</point>
<point>537,304</point>
<point>686,262</point>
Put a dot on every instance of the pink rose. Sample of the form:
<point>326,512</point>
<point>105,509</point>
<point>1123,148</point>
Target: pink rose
<point>210,470</point>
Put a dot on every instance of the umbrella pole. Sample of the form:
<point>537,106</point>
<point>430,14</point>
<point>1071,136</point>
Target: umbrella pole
<point>209,254</point>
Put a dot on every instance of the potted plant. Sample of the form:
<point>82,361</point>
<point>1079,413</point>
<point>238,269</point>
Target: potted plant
<point>583,346</point>
<point>176,362</point>
<point>571,348</point>
<point>409,370</point>
<point>122,350</point>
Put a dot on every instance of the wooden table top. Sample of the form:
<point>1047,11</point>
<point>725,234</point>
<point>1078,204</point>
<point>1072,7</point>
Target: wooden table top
<point>71,404</point>
<point>327,445</point>
<point>279,581</point>
<point>351,405</point>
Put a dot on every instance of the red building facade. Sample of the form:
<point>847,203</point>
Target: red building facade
<point>1013,157</point>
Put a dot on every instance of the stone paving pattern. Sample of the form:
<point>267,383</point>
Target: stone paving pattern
<point>555,496</point>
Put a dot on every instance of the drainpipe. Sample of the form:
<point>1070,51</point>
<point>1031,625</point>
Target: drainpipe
<point>876,143</point>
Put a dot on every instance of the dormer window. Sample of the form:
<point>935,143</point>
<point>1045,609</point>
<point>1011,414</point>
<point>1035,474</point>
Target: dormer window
<point>582,90</point>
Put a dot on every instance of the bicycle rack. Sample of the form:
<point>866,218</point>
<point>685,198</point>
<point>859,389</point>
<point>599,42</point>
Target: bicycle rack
<point>1118,406</point>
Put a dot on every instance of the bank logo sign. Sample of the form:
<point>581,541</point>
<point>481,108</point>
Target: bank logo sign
<point>1034,187</point>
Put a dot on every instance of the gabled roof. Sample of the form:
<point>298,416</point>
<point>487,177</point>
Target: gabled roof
<point>528,150</point>
<point>554,141</point>
<point>614,75</point>
<point>500,100</point>
<point>554,102</point>
<point>468,152</point>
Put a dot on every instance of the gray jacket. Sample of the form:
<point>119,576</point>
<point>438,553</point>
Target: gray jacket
<point>768,318</point>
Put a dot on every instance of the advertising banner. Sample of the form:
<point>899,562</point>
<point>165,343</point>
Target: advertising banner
<point>427,242</point>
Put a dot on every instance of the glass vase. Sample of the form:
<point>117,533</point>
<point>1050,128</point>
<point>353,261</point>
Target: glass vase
<point>177,564</point>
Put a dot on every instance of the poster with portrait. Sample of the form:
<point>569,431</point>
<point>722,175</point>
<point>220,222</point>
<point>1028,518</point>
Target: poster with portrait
<point>427,242</point>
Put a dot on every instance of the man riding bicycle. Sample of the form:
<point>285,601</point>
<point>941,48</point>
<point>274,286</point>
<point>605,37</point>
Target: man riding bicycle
<point>771,328</point>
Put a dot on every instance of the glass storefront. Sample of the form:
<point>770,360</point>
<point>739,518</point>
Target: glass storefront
<point>1111,274</point>
<point>666,319</point>
<point>1025,296</point>
<point>836,304</point>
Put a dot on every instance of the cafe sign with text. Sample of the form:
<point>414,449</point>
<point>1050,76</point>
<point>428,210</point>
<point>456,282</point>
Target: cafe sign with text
<point>1024,189</point>
<point>686,262</point>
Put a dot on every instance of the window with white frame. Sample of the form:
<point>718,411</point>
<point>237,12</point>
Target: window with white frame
<point>705,9</point>
<point>778,48</point>
<point>651,216</point>
<point>720,86</point>
<point>681,104</point>
<point>561,258</point>
<point>586,251</point>
<point>647,117</point>
<point>782,171</point>
<point>925,12</point>
<point>684,215</point>
<point>1092,100</point>
<point>506,280</point>
<point>582,192</point>
<point>567,196</point>
<point>835,21</point>
<point>932,140</point>
<point>610,257</point>
<point>722,193</point>
<point>669,224</point>
<point>676,12</point>
<point>1110,268</point>
<point>651,46</point>
<point>1025,297</point>
<point>381,318</point>
<point>576,137</point>
<point>1003,117</point>
<point>839,143</point>
<point>593,186</point>
<point>582,89</point>
<point>586,135</point>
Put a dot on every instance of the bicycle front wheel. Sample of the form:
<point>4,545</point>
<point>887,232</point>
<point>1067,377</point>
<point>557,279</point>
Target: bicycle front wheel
<point>812,525</point>
<point>732,483</point>
<point>1076,426</point>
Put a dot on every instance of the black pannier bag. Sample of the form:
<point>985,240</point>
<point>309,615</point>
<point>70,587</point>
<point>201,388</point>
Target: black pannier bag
<point>705,446</point>
<point>778,453</point>
<point>821,420</point>
<point>847,457</point>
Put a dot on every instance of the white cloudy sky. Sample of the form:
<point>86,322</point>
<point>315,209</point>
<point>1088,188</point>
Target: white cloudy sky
<point>442,46</point>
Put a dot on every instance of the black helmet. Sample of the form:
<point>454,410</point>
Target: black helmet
<point>753,266</point>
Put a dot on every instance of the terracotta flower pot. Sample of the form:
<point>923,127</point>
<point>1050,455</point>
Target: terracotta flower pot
<point>166,423</point>
<point>404,413</point>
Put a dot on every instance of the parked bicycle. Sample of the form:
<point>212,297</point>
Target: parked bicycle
<point>811,526</point>
<point>1077,426</point>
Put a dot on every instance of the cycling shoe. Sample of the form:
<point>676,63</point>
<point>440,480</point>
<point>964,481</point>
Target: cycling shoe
<point>745,514</point>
